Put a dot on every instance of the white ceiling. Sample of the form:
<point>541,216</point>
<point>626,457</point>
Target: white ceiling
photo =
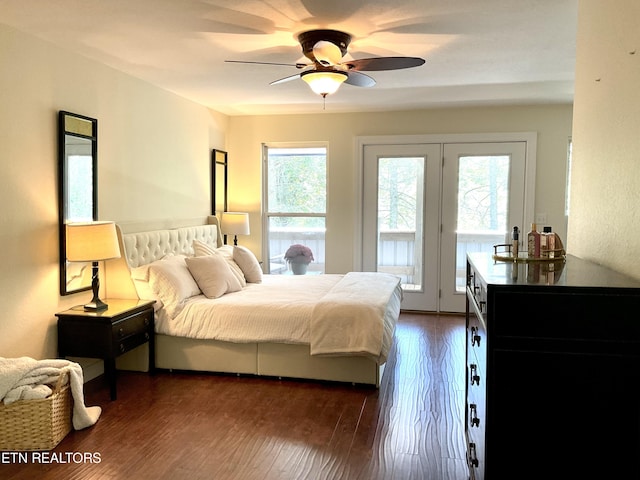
<point>477,52</point>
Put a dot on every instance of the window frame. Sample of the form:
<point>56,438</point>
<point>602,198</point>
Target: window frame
<point>267,215</point>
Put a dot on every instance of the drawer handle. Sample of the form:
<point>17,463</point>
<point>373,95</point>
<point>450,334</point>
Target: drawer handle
<point>121,332</point>
<point>146,321</point>
<point>122,347</point>
<point>473,374</point>
<point>475,338</point>
<point>473,457</point>
<point>482,305</point>
<point>473,415</point>
<point>146,335</point>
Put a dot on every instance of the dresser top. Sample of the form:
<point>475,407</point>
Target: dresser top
<point>574,272</point>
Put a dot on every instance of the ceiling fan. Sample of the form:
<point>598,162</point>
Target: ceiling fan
<point>328,69</point>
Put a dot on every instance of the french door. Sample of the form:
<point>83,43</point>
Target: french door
<point>425,205</point>
<point>483,198</point>
<point>401,200</point>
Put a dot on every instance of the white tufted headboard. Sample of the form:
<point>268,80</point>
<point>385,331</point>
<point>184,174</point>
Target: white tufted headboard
<point>145,242</point>
<point>145,247</point>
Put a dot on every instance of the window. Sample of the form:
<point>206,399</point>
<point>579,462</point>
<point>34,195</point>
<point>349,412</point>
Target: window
<point>294,203</point>
<point>483,207</point>
<point>400,211</point>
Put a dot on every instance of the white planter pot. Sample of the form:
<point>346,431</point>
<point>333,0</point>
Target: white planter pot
<point>299,268</point>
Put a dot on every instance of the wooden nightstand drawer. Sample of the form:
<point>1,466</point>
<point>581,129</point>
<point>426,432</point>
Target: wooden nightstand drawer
<point>131,342</point>
<point>131,325</point>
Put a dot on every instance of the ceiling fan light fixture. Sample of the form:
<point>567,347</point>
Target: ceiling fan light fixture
<point>324,83</point>
<point>327,53</point>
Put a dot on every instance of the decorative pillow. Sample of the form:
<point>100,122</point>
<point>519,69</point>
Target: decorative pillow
<point>248,264</point>
<point>172,283</point>
<point>201,249</point>
<point>213,275</point>
<point>140,277</point>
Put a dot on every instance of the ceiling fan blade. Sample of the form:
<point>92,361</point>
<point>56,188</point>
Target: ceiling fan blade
<point>383,63</point>
<point>297,65</point>
<point>359,79</point>
<point>285,79</point>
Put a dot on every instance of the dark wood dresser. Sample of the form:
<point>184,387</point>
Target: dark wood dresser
<point>553,370</point>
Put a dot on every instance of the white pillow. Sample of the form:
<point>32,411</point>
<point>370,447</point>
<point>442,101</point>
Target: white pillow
<point>248,264</point>
<point>213,275</point>
<point>201,249</point>
<point>140,277</point>
<point>172,283</point>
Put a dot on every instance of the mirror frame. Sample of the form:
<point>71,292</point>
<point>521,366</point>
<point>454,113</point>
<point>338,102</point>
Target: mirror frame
<point>72,124</point>
<point>218,181</point>
<point>219,167</point>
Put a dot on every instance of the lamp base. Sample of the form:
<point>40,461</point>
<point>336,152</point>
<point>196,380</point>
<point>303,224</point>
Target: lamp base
<point>95,305</point>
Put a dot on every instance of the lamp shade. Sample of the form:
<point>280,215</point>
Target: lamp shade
<point>324,83</point>
<point>235,223</point>
<point>91,241</point>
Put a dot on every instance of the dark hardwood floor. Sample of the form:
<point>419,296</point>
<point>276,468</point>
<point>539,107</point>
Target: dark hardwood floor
<point>205,426</point>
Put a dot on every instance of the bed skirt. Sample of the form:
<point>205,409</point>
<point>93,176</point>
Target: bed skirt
<point>263,359</point>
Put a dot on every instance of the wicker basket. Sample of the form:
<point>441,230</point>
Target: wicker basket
<point>37,424</point>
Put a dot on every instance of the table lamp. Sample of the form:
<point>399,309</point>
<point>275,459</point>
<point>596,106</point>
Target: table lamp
<point>92,242</point>
<point>235,223</point>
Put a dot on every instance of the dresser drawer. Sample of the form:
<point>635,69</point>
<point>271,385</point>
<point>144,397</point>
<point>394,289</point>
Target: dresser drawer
<point>477,344</point>
<point>477,338</point>
<point>476,415</point>
<point>475,460</point>
<point>578,317</point>
<point>477,291</point>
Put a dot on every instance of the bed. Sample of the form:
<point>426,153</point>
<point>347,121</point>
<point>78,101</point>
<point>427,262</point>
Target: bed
<point>321,327</point>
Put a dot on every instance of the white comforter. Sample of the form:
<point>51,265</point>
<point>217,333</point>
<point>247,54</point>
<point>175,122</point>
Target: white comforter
<point>352,314</point>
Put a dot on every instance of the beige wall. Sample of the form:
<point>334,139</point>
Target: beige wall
<point>153,155</point>
<point>604,224</point>
<point>246,134</point>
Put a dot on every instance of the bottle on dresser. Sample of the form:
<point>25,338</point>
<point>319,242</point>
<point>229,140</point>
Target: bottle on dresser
<point>515,239</point>
<point>533,242</point>
<point>547,243</point>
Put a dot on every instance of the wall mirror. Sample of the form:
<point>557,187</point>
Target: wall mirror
<point>219,184</point>
<point>77,190</point>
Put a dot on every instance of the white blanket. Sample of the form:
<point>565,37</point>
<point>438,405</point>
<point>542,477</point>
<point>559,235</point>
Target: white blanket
<point>350,318</point>
<point>276,310</point>
<point>25,378</point>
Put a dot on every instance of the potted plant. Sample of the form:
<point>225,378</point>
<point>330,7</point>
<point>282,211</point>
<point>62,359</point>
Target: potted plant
<point>299,257</point>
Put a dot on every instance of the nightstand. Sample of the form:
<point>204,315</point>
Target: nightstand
<point>125,325</point>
